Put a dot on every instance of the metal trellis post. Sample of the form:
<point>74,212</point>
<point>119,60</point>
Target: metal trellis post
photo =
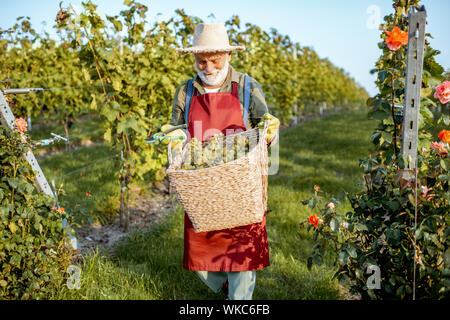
<point>7,118</point>
<point>413,84</point>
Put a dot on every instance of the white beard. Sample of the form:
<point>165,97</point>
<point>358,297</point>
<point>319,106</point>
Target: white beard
<point>215,78</point>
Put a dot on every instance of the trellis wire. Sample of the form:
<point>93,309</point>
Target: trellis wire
<point>39,89</point>
<point>85,167</point>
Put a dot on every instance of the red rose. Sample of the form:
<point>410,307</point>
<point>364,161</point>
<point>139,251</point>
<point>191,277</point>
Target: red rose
<point>314,220</point>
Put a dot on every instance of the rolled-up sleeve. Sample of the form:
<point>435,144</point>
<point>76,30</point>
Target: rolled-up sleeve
<point>258,106</point>
<point>178,105</point>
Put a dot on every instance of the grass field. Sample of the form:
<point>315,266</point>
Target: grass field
<point>148,265</point>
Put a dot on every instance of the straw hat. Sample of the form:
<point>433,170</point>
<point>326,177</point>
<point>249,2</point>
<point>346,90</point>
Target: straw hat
<point>210,38</point>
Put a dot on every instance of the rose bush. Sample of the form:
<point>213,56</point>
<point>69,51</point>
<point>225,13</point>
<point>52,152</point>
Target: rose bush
<point>34,246</point>
<point>380,230</point>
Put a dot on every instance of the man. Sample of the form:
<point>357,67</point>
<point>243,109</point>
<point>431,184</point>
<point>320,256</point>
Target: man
<point>223,259</point>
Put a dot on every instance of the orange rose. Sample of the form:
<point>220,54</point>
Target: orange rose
<point>314,220</point>
<point>444,136</point>
<point>396,38</point>
<point>61,210</point>
<point>316,188</point>
<point>21,124</point>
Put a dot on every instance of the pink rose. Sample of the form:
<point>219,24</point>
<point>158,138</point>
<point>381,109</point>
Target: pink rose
<point>439,147</point>
<point>21,124</point>
<point>443,92</point>
<point>425,190</point>
<point>425,193</point>
<point>330,205</point>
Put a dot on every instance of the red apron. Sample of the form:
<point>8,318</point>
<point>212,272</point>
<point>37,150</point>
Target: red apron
<point>237,249</point>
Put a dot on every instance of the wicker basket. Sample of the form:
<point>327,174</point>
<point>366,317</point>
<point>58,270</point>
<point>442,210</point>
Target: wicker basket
<point>227,195</point>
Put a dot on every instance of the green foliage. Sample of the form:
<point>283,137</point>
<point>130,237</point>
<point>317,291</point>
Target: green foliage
<point>30,59</point>
<point>137,75</point>
<point>34,252</point>
<point>127,70</point>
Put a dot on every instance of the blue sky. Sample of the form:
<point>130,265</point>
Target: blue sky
<point>342,31</point>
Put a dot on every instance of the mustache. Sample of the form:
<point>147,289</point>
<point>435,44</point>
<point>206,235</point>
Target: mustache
<point>214,77</point>
<point>213,73</point>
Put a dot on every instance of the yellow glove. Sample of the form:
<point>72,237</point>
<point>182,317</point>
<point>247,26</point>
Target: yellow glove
<point>177,137</point>
<point>273,126</point>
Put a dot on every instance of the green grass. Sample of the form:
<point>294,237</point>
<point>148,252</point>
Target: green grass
<point>148,265</point>
<point>88,128</point>
<point>80,169</point>
<point>86,169</point>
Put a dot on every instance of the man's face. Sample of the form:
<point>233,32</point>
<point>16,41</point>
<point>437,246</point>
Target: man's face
<point>212,67</point>
<point>208,63</point>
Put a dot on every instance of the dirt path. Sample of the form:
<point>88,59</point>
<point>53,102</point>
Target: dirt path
<point>144,212</point>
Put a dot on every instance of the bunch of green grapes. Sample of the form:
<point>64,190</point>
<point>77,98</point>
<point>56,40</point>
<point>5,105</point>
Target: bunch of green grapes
<point>213,152</point>
<point>193,156</point>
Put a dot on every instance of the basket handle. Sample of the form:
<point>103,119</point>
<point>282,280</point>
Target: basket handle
<point>169,152</point>
<point>266,127</point>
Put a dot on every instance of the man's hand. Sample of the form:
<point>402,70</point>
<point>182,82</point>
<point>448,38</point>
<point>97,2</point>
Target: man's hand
<point>273,126</point>
<point>177,136</point>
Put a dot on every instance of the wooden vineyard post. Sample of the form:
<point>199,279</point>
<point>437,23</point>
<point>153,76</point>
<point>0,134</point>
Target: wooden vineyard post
<point>7,118</point>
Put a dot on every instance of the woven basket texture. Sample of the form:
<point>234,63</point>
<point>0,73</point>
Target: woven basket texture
<point>227,195</point>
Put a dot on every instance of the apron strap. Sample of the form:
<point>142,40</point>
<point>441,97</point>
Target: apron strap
<point>189,92</point>
<point>247,91</point>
